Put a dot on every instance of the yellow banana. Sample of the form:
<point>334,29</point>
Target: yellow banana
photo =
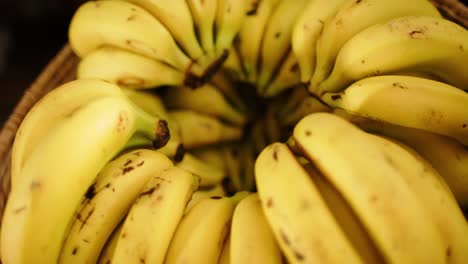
<point>200,130</point>
<point>251,237</point>
<point>351,160</point>
<point>59,171</point>
<point>127,69</point>
<point>108,201</point>
<point>203,15</point>
<point>204,193</point>
<point>209,174</point>
<point>154,217</point>
<point>296,212</point>
<point>307,30</point>
<point>200,234</point>
<point>413,43</point>
<point>287,77</point>
<point>108,251</point>
<point>407,101</point>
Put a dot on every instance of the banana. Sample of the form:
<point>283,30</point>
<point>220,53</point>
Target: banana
<point>445,154</point>
<point>204,15</point>
<point>413,43</point>
<point>307,105</point>
<point>233,160</point>
<point>345,216</point>
<point>206,99</point>
<point>153,219</point>
<point>201,194</point>
<point>277,39</point>
<point>414,102</point>
<point>127,69</point>
<point>258,136</point>
<point>225,257</point>
<point>251,238</point>
<point>434,194</point>
<point>200,234</point>
<point>200,130</point>
<point>109,248</point>
<point>296,212</point>
<point>212,155</point>
<point>176,17</point>
<point>230,16</point>
<point>306,32</point>
<point>293,99</point>
<point>363,174</point>
<point>354,16</point>
<point>130,27</point>
<point>153,105</point>
<point>108,201</point>
<point>250,37</point>
<point>52,109</point>
<point>226,84</point>
<point>59,171</point>
<point>271,123</point>
<point>209,174</point>
<point>287,77</point>
<point>233,64</point>
<point>248,155</point>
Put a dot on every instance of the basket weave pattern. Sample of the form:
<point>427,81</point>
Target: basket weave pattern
<point>62,68</point>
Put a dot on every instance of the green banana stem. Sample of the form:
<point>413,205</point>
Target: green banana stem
<point>153,127</point>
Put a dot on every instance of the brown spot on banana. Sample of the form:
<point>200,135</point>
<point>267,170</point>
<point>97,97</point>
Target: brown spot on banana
<point>162,134</point>
<point>253,10</point>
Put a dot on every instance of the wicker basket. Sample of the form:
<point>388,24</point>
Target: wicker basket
<point>62,69</point>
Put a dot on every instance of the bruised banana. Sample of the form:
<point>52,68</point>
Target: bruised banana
<point>154,217</point>
<point>108,201</point>
<point>413,43</point>
<point>60,170</point>
<point>201,231</point>
<point>358,168</point>
<point>127,69</point>
<point>434,106</point>
<point>354,16</point>
<point>251,237</point>
<point>200,130</point>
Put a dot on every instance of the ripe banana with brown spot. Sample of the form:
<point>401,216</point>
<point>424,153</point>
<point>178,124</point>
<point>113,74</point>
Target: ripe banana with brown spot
<point>127,69</point>
<point>296,211</point>
<point>354,16</point>
<point>434,106</point>
<point>154,217</point>
<point>59,171</point>
<point>411,43</point>
<point>130,27</point>
<point>366,177</point>
<point>107,202</point>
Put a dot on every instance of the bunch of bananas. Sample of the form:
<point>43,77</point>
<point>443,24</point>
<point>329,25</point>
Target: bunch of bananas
<point>257,131</point>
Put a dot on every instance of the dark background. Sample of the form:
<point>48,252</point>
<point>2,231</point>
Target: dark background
<point>31,33</point>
